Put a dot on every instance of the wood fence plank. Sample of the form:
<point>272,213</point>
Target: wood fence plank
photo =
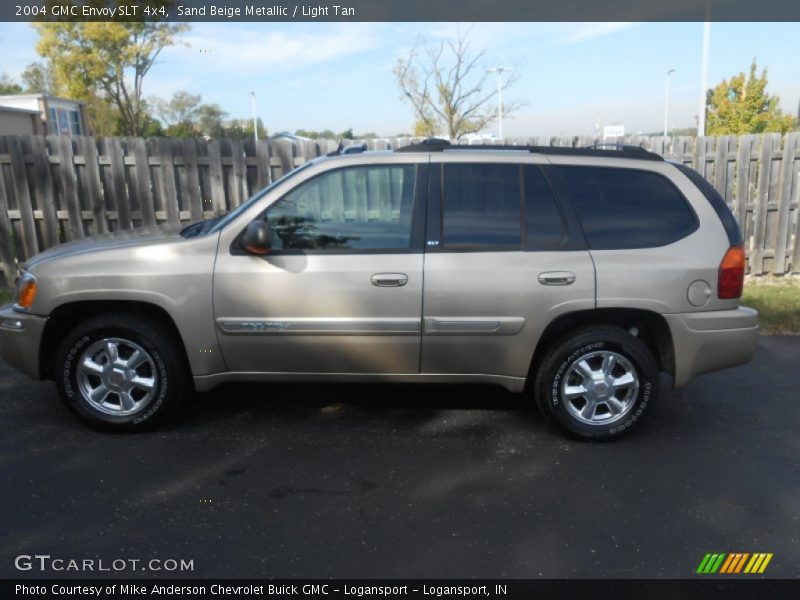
<point>69,188</point>
<point>215,174</point>
<point>743,185</point>
<point>238,179</point>
<point>784,202</point>
<point>142,182</point>
<point>117,197</point>
<point>45,192</point>
<point>30,243</point>
<point>193,192</point>
<point>94,188</point>
<point>7,252</point>
<point>263,170</point>
<point>168,187</point>
<point>760,212</point>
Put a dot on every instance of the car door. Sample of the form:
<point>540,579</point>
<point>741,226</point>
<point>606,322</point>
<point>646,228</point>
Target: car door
<point>504,258</point>
<point>341,289</point>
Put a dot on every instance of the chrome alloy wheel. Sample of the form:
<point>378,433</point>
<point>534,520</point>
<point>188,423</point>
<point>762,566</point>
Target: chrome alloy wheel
<point>117,376</point>
<point>600,387</point>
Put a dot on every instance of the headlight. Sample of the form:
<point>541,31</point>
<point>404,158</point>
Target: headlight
<point>26,292</point>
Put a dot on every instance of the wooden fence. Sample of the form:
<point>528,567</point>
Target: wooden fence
<point>55,189</point>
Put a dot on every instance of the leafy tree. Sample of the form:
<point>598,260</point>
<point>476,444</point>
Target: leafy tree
<point>209,120</point>
<point>347,135</point>
<point>448,87</point>
<point>39,78</point>
<point>107,59</point>
<point>741,105</point>
<point>8,86</point>
<point>179,114</point>
<point>423,128</point>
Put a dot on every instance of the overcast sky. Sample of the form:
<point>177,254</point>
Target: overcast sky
<point>336,76</point>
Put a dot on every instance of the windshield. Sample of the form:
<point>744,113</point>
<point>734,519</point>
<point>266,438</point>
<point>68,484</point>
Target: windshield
<point>217,223</point>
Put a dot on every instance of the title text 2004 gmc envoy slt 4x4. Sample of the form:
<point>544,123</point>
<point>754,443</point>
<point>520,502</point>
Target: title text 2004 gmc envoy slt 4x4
<point>571,275</point>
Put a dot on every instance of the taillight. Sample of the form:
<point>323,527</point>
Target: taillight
<point>731,274</point>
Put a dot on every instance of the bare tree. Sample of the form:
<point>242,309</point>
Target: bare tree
<point>449,88</point>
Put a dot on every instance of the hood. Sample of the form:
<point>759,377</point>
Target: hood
<point>117,239</point>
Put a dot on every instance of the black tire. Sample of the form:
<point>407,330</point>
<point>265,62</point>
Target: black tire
<point>163,369</point>
<point>561,367</point>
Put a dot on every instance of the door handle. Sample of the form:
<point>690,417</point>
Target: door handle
<point>556,278</point>
<point>389,279</point>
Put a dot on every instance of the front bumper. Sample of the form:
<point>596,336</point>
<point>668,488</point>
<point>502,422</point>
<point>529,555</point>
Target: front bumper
<point>712,340</point>
<point>20,338</point>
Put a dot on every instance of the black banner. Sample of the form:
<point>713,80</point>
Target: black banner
<point>586,589</point>
<point>400,10</point>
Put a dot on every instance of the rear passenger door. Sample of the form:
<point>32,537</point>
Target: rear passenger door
<point>503,259</point>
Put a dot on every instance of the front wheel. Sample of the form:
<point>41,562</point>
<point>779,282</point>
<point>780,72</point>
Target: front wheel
<point>120,373</point>
<point>597,383</point>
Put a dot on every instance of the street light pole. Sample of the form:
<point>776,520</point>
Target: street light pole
<point>668,72</point>
<point>255,122</point>
<point>499,71</point>
<point>701,117</point>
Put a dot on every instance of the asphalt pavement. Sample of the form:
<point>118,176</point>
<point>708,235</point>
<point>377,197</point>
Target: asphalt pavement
<point>292,480</point>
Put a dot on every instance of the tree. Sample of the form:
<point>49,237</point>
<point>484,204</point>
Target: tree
<point>109,59</point>
<point>179,114</point>
<point>39,78</point>
<point>9,86</point>
<point>209,120</point>
<point>741,105</point>
<point>446,86</point>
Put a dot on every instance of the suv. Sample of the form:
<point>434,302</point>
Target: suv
<point>572,275</point>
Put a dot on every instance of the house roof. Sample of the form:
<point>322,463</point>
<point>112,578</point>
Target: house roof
<point>17,110</point>
<point>38,96</point>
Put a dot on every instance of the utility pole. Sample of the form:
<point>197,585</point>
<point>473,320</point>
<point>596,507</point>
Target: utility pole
<point>668,72</point>
<point>499,71</point>
<point>701,119</point>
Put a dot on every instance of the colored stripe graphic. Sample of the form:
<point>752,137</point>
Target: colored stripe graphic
<point>734,563</point>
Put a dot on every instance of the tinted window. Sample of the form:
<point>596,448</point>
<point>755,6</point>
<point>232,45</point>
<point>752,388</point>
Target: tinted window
<point>718,204</point>
<point>361,208</point>
<point>625,208</point>
<point>544,223</point>
<point>481,205</point>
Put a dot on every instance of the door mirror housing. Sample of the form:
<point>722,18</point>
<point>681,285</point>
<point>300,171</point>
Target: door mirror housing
<point>257,238</point>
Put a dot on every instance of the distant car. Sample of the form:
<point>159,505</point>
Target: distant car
<point>571,275</point>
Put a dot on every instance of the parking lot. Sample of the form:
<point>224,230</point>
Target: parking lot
<point>412,481</point>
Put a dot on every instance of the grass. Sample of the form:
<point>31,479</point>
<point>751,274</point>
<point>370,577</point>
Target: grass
<point>778,305</point>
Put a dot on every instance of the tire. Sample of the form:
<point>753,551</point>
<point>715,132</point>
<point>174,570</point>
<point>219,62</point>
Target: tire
<point>606,400</point>
<point>145,385</point>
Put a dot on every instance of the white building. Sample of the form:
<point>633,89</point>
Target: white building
<point>58,115</point>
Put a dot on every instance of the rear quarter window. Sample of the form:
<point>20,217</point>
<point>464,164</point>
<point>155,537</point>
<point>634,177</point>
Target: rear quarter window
<point>627,208</point>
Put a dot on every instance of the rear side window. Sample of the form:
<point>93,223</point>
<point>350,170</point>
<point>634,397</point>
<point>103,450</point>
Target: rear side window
<point>627,208</point>
<point>500,205</point>
<point>718,204</point>
<point>481,205</point>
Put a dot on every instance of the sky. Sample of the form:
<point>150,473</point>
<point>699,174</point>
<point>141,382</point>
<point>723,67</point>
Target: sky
<point>570,75</point>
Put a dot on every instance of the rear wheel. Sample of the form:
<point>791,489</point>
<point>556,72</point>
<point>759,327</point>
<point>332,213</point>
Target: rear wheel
<point>120,372</point>
<point>596,383</point>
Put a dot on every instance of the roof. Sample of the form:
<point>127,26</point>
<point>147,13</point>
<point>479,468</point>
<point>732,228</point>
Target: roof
<point>37,96</point>
<point>26,111</point>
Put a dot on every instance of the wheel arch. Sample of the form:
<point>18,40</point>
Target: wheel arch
<point>66,316</point>
<point>648,326</point>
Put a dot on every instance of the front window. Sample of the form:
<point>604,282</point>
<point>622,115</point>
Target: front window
<point>357,208</point>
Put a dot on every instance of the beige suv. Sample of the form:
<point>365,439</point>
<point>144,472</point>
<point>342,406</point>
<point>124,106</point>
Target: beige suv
<point>572,275</point>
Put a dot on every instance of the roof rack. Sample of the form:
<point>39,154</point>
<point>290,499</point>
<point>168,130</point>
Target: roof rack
<point>618,151</point>
<point>351,149</point>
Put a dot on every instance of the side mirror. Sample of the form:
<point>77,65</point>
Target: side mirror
<point>257,238</point>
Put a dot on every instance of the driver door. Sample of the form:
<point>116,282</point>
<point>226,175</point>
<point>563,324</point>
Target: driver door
<point>340,291</point>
